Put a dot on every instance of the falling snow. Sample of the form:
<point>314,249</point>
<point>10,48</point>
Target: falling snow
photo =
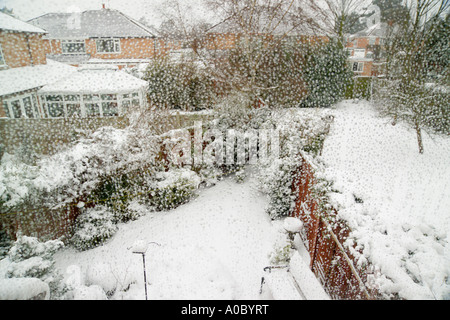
<point>156,151</point>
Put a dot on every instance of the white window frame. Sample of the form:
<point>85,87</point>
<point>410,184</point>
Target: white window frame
<point>35,110</point>
<point>100,103</point>
<point>116,42</point>
<point>357,53</point>
<point>82,101</point>
<point>130,99</point>
<point>73,41</point>
<point>360,67</point>
<point>2,57</point>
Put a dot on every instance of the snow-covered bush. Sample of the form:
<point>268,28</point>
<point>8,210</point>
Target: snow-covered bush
<point>93,228</point>
<point>301,133</point>
<point>278,183</point>
<point>77,173</point>
<point>172,189</point>
<point>31,258</point>
<point>269,70</point>
<point>237,111</point>
<point>16,181</point>
<point>326,74</point>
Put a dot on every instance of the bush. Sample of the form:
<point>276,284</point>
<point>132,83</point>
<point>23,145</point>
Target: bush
<point>326,75</point>
<point>172,189</point>
<point>31,258</point>
<point>278,186</point>
<point>93,228</point>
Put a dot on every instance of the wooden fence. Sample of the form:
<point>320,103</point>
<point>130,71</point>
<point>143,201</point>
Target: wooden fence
<point>331,262</point>
<point>48,136</point>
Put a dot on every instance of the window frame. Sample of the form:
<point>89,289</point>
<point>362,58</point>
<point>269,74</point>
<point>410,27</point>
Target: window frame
<point>65,41</point>
<point>357,52</point>
<point>359,68</point>
<point>105,105</point>
<point>116,42</point>
<point>34,104</point>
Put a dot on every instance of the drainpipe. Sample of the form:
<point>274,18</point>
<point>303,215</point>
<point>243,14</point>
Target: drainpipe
<point>29,49</point>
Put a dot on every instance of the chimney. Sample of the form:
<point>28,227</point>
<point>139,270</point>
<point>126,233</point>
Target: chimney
<point>103,5</point>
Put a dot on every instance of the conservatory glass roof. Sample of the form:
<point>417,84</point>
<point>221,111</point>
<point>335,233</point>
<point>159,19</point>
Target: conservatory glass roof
<point>94,81</point>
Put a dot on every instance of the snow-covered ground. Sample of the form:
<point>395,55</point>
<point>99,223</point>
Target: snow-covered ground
<point>404,220</point>
<point>214,247</point>
<point>396,201</point>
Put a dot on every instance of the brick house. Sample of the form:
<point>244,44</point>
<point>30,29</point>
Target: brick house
<point>34,87</point>
<point>227,35</point>
<point>366,51</point>
<point>23,68</point>
<point>98,36</point>
<point>20,43</point>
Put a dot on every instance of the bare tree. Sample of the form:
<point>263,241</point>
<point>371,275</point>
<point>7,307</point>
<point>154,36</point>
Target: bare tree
<point>404,94</point>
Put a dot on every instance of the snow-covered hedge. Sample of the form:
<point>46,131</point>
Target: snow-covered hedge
<point>110,168</point>
<point>302,133</point>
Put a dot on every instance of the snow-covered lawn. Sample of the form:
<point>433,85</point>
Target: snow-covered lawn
<point>214,247</point>
<point>404,220</point>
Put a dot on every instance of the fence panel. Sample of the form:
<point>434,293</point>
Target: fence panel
<point>332,264</point>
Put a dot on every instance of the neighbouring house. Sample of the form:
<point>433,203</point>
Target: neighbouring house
<point>20,43</point>
<point>297,24</point>
<point>366,51</point>
<point>45,104</point>
<point>24,68</point>
<point>104,36</point>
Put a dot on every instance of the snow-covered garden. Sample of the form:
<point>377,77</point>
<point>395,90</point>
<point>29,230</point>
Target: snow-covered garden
<point>216,142</point>
<point>216,244</point>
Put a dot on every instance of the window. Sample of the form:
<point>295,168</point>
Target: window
<point>88,105</point>
<point>110,108</point>
<point>59,106</point>
<point>359,53</point>
<point>108,45</point>
<point>2,57</point>
<point>131,99</point>
<point>24,106</point>
<point>55,106</point>
<point>73,46</point>
<point>104,105</point>
<point>5,107</point>
<point>358,66</point>
<point>372,41</point>
<point>16,109</point>
<point>73,106</point>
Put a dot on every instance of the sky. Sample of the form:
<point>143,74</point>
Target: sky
<point>28,9</point>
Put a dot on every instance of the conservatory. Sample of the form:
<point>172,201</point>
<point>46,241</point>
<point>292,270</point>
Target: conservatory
<point>93,92</point>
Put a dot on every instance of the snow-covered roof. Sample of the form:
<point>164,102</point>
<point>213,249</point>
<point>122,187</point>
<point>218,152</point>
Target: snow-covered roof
<point>377,30</point>
<point>91,24</point>
<point>304,20</point>
<point>93,81</point>
<point>26,78</point>
<point>12,24</point>
<point>287,26</point>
